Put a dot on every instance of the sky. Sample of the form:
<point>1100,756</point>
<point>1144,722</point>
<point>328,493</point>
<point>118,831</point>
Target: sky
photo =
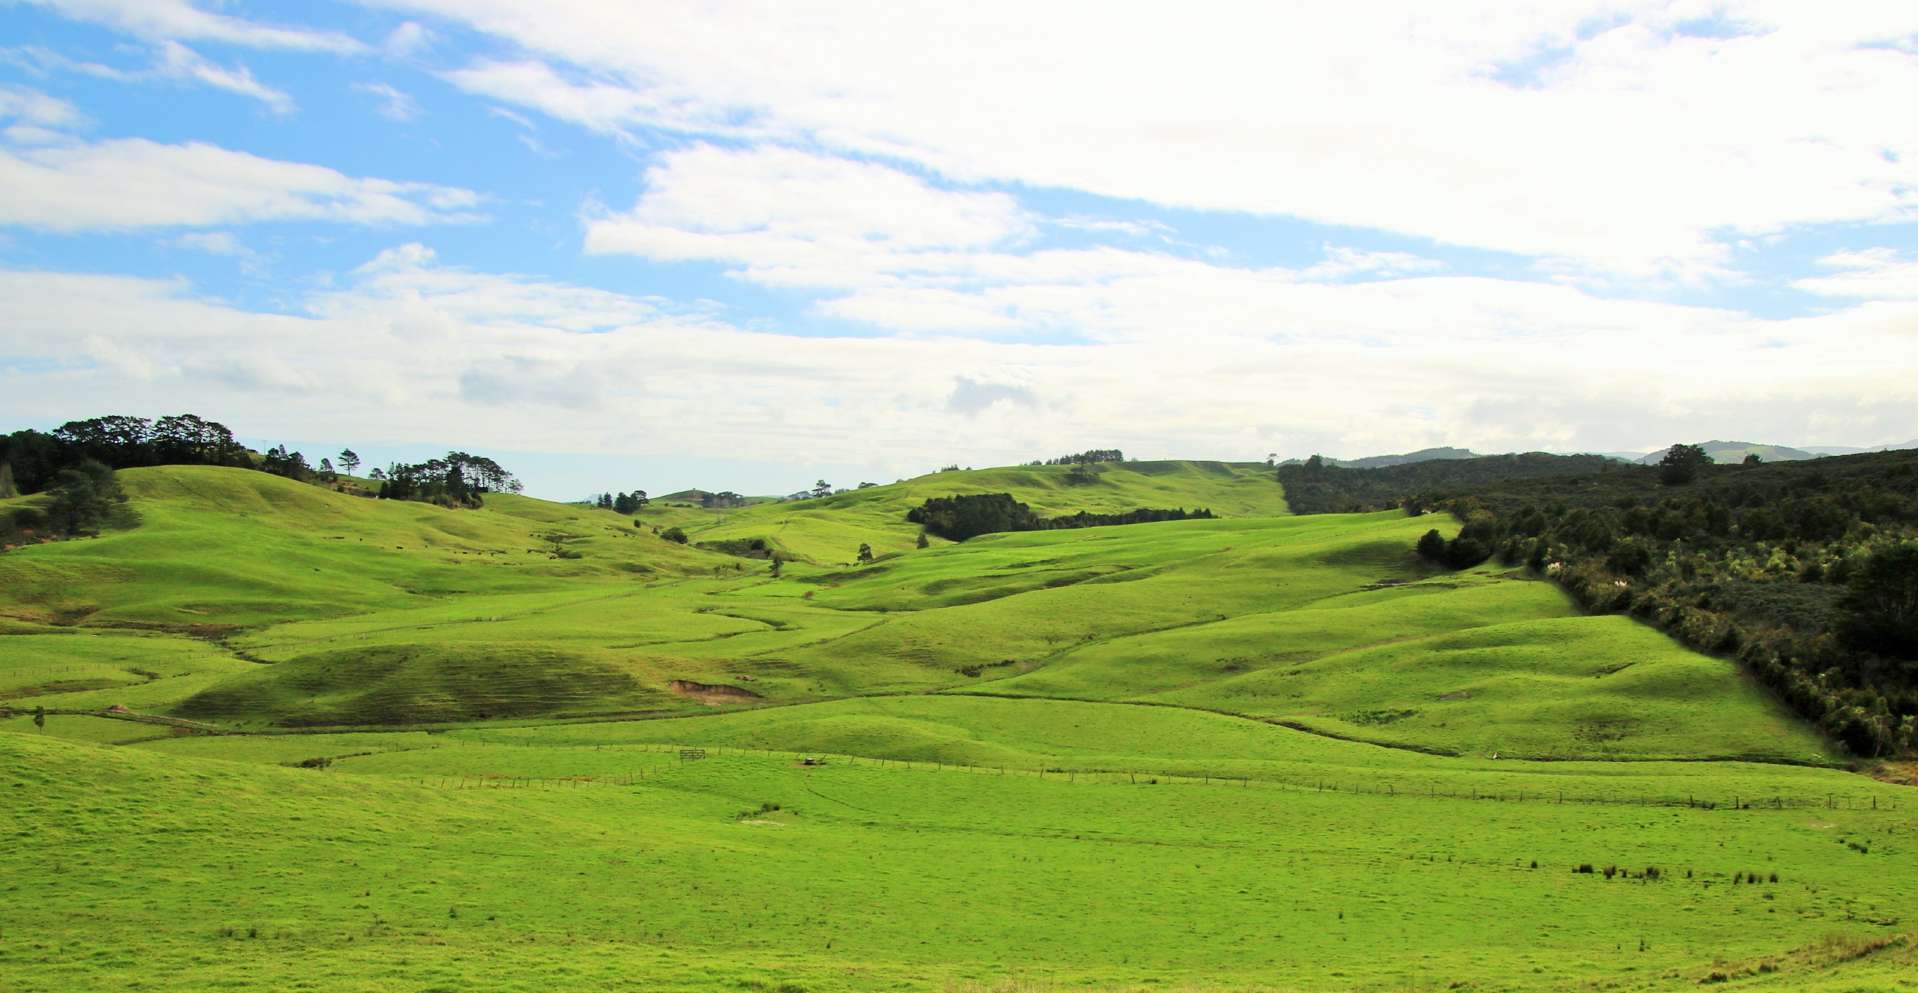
<point>745,246</point>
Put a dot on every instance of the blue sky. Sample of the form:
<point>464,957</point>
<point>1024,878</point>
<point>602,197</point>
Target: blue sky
<point>743,246</point>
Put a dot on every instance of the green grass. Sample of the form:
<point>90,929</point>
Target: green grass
<point>830,530</point>
<point>867,877</point>
<point>1259,752</point>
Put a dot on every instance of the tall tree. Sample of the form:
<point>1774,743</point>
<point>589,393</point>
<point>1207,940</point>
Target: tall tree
<point>1682,464</point>
<point>349,460</point>
<point>7,487</point>
<point>1883,600</point>
<point>83,497</point>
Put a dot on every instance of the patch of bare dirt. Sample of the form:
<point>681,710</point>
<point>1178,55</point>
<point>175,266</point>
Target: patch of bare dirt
<point>711,694</point>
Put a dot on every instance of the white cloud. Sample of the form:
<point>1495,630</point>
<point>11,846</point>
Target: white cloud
<point>1632,148</point>
<point>407,40</point>
<point>1870,274</point>
<point>394,104</point>
<point>902,254</point>
<point>210,242</point>
<point>31,107</point>
<point>131,183</point>
<point>794,218</point>
<point>408,349</point>
<point>1341,261</point>
<point>179,62</point>
<point>180,19</point>
<point>172,62</point>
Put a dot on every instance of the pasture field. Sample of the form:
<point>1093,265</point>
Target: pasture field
<point>296,739</point>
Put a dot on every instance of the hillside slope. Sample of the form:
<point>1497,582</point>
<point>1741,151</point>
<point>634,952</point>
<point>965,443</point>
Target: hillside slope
<point>830,530</point>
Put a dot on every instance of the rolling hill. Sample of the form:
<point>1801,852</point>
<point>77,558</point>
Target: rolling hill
<point>390,745</point>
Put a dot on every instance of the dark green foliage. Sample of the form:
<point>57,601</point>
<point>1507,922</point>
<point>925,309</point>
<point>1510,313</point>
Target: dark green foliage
<point>960,517</point>
<point>865,552</point>
<point>1316,487</point>
<point>1882,603</point>
<point>83,498</point>
<point>280,462</point>
<point>457,480</point>
<point>674,534</point>
<point>1682,464</point>
<point>7,485</point>
<point>1090,457</point>
<point>629,503</point>
<point>922,542</point>
<point>1802,570</point>
<point>118,442</point>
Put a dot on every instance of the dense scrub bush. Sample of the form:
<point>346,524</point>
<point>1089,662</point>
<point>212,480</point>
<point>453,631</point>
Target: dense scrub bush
<point>1806,572</point>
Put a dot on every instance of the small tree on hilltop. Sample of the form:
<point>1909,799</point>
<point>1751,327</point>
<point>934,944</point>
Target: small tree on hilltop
<point>822,489</point>
<point>349,460</point>
<point>1682,464</point>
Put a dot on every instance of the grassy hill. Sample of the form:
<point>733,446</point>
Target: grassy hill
<point>830,529</point>
<point>1732,452</point>
<point>1256,752</point>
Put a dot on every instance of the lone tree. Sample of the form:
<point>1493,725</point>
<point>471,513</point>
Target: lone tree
<point>326,469</point>
<point>865,552</point>
<point>822,489</point>
<point>83,497</point>
<point>1681,464</point>
<point>348,460</point>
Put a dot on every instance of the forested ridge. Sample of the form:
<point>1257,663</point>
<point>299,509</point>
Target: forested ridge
<point>74,465</point>
<point>1806,572</point>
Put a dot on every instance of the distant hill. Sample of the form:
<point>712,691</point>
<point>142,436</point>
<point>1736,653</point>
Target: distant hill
<point>1422,455</point>
<point>1846,450</point>
<point>1384,461</point>
<point>1726,452</point>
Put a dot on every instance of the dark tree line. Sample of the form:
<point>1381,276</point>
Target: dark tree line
<point>1089,457</point>
<point>1806,572</point>
<point>457,480</point>
<point>622,503</point>
<point>1316,486</point>
<point>957,518</point>
<point>34,459</point>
